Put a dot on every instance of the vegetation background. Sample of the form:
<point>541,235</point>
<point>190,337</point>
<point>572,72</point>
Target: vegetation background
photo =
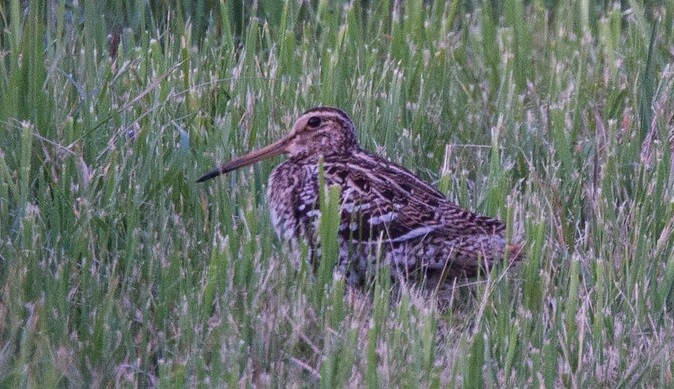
<point>117,269</point>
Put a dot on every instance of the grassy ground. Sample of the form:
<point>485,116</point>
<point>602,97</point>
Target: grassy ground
<point>116,268</point>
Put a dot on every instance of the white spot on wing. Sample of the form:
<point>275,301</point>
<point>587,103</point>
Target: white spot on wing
<point>415,233</point>
<point>385,218</point>
<point>352,207</point>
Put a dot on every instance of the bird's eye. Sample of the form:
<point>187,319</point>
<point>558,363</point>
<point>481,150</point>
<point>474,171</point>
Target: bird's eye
<point>314,121</point>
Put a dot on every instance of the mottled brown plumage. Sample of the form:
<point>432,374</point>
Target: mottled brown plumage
<point>386,211</point>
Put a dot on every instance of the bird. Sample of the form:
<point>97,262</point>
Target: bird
<point>388,216</point>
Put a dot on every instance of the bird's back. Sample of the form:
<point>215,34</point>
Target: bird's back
<point>384,207</point>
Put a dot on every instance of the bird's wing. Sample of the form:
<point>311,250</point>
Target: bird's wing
<point>384,201</point>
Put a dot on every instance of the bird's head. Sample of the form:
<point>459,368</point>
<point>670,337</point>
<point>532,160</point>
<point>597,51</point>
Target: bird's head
<point>318,132</point>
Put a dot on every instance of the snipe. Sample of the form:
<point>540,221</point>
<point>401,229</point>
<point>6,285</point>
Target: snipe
<point>384,207</point>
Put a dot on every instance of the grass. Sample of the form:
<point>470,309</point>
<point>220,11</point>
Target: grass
<point>116,268</point>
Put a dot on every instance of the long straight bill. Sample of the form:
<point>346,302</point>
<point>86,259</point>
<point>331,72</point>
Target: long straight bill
<point>271,150</point>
